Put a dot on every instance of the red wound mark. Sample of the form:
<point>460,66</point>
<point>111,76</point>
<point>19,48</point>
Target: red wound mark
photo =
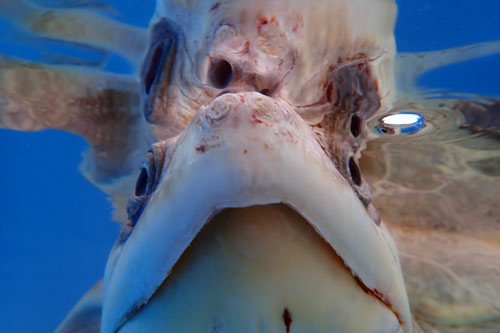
<point>287,319</point>
<point>246,48</point>
<point>298,25</point>
<point>262,21</point>
<point>378,295</point>
<point>255,119</point>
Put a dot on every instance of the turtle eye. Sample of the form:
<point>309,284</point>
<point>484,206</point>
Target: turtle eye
<point>147,181</point>
<point>220,73</point>
<point>142,183</point>
<point>153,68</point>
<point>354,171</point>
<point>160,57</point>
<point>144,186</point>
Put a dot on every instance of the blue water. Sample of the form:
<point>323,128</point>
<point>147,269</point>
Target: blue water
<point>55,230</point>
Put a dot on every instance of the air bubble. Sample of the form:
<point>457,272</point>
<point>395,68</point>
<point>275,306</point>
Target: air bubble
<point>401,123</point>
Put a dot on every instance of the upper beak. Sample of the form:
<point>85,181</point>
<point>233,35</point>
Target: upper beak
<point>243,150</point>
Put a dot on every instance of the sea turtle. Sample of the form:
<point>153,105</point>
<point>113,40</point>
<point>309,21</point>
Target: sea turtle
<point>252,189</point>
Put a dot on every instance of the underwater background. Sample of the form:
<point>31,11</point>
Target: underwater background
<point>55,227</point>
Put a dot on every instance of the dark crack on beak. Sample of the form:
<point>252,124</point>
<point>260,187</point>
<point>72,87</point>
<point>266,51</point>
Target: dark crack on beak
<point>287,319</point>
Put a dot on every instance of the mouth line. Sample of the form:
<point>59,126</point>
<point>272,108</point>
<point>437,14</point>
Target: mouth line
<point>256,152</point>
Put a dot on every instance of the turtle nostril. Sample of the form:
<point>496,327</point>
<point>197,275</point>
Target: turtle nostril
<point>224,92</point>
<point>220,73</point>
<point>142,183</point>
<point>266,92</point>
<point>355,125</point>
<point>354,171</point>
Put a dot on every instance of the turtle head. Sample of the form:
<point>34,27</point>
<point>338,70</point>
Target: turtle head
<point>251,210</point>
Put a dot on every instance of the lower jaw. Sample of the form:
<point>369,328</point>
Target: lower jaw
<point>261,269</point>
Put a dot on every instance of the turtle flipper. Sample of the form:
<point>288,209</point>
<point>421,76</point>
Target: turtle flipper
<point>411,66</point>
<point>78,25</point>
<point>101,107</point>
<point>438,193</point>
<point>85,316</point>
<point>452,279</point>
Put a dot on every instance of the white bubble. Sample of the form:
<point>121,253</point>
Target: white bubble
<point>402,119</point>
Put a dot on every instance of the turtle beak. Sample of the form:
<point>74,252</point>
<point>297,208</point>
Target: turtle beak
<point>247,150</point>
